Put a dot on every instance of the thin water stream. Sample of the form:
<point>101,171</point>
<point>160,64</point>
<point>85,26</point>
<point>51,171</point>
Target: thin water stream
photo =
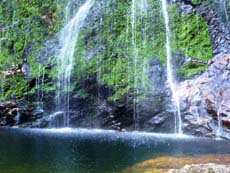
<point>171,81</point>
<point>138,25</point>
<point>68,37</point>
<point>224,8</point>
<point>135,57</point>
<point>219,128</point>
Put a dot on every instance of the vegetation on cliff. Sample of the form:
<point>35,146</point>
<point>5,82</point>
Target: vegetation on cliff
<point>105,49</point>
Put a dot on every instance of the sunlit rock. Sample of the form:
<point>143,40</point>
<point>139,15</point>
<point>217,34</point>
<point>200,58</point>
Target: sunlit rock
<point>181,164</point>
<point>206,98</point>
<point>203,168</point>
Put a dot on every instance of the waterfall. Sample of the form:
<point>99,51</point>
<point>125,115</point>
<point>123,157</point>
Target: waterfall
<point>138,11</point>
<point>178,120</point>
<point>144,14</point>
<point>135,56</point>
<point>219,128</point>
<point>17,118</point>
<point>65,58</point>
<point>40,87</point>
<point>99,68</point>
<point>2,78</point>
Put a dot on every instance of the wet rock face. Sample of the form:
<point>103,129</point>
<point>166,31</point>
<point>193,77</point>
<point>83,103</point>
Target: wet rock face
<point>203,168</point>
<point>12,113</point>
<point>202,98</point>
<point>155,112</point>
<point>206,99</point>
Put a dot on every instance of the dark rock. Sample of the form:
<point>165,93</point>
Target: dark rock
<point>226,122</point>
<point>8,110</point>
<point>26,114</point>
<point>12,113</point>
<point>187,8</point>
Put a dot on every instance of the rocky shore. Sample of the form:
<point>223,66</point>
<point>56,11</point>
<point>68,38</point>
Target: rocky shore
<point>183,164</point>
<point>203,168</point>
<point>204,97</point>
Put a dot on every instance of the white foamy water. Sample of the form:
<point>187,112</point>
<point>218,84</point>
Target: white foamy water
<point>68,37</point>
<point>176,100</point>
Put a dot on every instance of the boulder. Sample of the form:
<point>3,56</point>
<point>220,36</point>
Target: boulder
<point>8,111</point>
<point>13,113</point>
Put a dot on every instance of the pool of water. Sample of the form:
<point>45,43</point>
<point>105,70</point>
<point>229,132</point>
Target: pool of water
<point>93,151</point>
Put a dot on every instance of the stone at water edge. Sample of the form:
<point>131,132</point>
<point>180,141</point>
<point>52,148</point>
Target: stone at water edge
<point>163,164</point>
<point>203,168</point>
<point>8,111</point>
<point>13,113</point>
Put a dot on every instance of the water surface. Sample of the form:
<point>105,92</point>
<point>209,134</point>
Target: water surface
<point>93,151</point>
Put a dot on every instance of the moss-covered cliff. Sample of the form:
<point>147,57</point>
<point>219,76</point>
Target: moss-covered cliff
<point>120,55</point>
<point>105,46</point>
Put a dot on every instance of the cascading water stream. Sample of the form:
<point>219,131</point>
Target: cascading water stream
<point>65,59</point>
<point>178,120</point>
<point>224,8</point>
<point>99,68</point>
<point>39,86</point>
<point>135,56</point>
<point>2,79</point>
<point>144,14</point>
<point>138,12</point>
<point>219,128</point>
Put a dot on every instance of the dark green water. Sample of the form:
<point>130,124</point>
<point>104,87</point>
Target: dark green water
<point>91,151</point>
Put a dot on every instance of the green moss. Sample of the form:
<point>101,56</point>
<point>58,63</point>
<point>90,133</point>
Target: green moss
<point>122,68</point>
<point>15,86</point>
<point>115,62</point>
<point>105,48</point>
<point>195,2</point>
<point>25,31</point>
<point>191,68</point>
<point>190,36</point>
